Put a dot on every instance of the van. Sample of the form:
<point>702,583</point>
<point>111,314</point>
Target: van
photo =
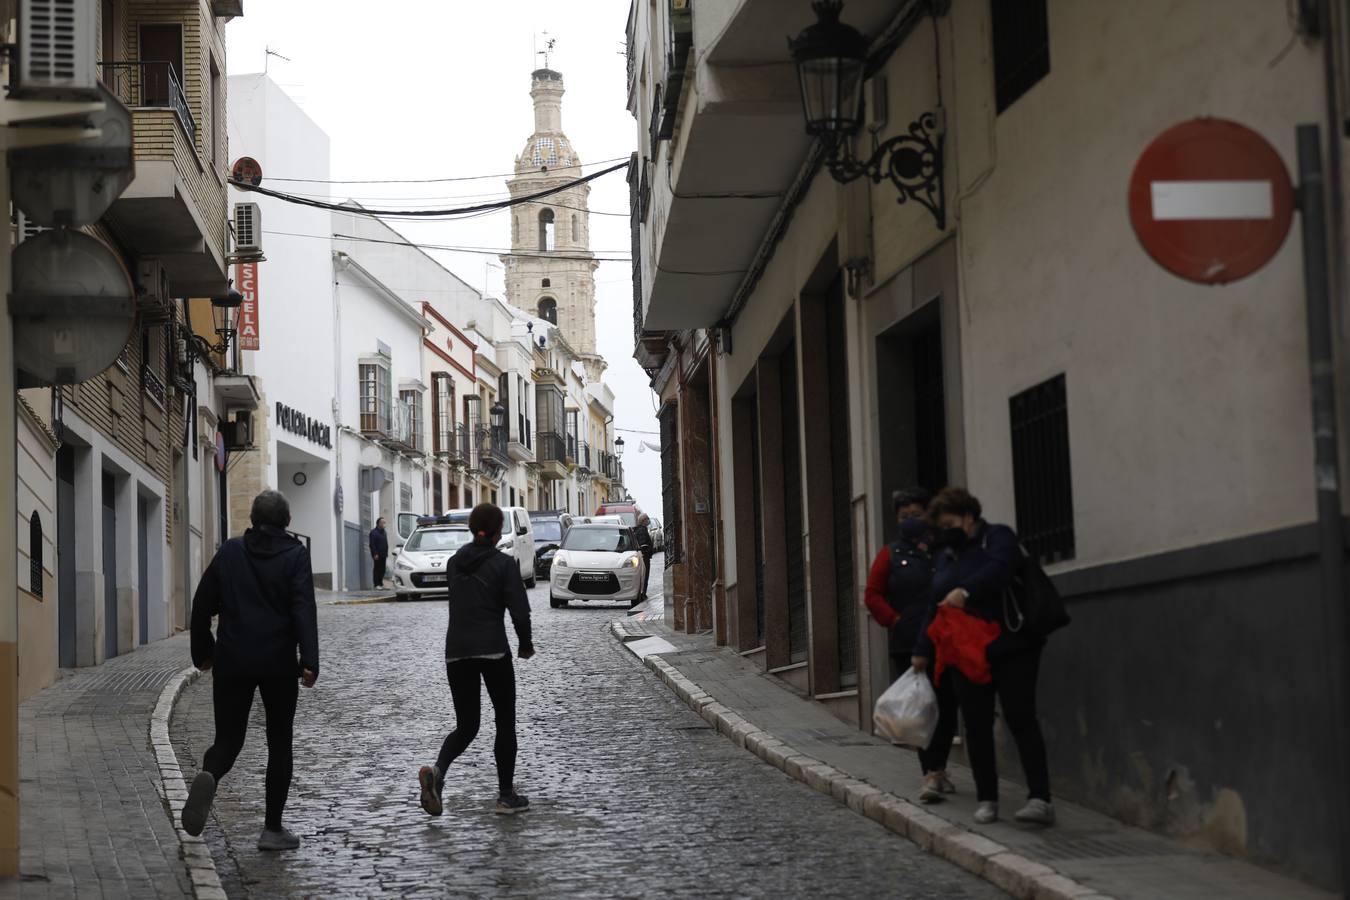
<point>517,536</point>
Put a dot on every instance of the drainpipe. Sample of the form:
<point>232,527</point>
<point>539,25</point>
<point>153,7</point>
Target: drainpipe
<point>340,261</point>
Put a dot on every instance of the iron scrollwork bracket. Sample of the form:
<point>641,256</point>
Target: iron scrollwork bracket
<point>912,162</point>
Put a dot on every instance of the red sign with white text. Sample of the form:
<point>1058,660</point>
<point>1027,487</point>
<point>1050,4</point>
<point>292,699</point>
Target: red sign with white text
<point>246,277</point>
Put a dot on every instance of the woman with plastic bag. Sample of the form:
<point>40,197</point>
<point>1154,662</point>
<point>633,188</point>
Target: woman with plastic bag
<point>899,597</point>
<point>975,565</point>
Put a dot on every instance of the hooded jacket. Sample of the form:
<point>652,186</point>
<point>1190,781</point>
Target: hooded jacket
<point>484,585</point>
<point>262,588</point>
<point>899,586</point>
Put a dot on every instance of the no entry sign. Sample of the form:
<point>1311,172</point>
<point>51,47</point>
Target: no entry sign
<point>1211,201</point>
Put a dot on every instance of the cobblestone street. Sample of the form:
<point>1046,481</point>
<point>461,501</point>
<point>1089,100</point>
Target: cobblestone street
<point>632,794</point>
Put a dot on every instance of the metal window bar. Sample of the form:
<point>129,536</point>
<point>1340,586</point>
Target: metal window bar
<point>552,447</point>
<point>151,85</point>
<point>1042,475</point>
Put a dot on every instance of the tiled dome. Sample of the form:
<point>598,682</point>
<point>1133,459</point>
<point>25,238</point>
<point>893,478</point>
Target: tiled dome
<point>554,152</point>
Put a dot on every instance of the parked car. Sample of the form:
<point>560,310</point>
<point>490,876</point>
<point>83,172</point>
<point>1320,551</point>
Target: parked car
<point>419,570</point>
<point>628,510</point>
<point>597,562</point>
<point>517,537</point>
<point>550,527</point>
<point>405,524</point>
<point>658,534</point>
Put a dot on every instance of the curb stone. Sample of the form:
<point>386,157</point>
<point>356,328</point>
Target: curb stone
<point>201,867</point>
<point>1019,876</point>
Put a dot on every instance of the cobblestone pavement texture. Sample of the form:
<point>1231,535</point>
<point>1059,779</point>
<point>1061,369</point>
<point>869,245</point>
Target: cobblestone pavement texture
<point>92,820</point>
<point>633,794</point>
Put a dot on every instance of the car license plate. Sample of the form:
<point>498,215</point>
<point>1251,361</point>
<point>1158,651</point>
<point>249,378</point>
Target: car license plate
<point>593,577</point>
<point>433,579</point>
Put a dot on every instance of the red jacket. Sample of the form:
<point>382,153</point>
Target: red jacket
<point>962,640</point>
<point>875,595</point>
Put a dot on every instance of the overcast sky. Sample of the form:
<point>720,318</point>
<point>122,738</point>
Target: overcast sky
<point>414,89</point>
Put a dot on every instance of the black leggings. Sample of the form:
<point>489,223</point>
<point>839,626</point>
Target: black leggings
<point>500,677</point>
<point>1015,685</point>
<point>233,699</point>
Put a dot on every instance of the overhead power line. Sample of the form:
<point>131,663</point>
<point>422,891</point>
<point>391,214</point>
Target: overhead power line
<point>428,213</point>
<point>599,162</point>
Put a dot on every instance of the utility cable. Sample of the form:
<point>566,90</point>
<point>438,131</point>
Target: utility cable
<point>598,162</point>
<point>427,213</point>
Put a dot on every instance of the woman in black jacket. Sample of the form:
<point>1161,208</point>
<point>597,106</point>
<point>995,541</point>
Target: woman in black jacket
<point>484,584</point>
<point>976,564</point>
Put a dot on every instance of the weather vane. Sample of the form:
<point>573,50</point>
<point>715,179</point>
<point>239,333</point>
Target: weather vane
<point>548,48</point>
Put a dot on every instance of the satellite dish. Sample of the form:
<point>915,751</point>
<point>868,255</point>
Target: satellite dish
<point>73,305</point>
<point>75,184</point>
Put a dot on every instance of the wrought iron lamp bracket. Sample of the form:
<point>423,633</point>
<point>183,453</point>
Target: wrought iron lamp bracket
<point>912,161</point>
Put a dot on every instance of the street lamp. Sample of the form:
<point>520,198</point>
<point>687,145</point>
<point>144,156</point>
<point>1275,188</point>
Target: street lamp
<point>498,414</point>
<point>221,308</point>
<point>831,59</point>
<point>618,447</point>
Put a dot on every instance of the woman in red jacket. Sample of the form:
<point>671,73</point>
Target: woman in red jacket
<point>899,597</point>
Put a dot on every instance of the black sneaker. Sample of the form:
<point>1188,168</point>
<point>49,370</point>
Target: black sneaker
<point>198,804</point>
<point>431,791</point>
<point>510,804</point>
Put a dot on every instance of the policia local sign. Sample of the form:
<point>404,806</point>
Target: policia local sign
<point>297,422</point>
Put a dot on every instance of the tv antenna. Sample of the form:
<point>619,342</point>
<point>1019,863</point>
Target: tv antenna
<point>268,53</point>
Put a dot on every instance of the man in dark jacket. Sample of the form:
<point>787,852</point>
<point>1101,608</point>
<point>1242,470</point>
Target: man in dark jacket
<point>899,596</point>
<point>262,588</point>
<point>642,532</point>
<point>379,551</point>
<point>484,585</point>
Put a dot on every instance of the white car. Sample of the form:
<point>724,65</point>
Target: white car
<point>419,570</point>
<point>597,562</point>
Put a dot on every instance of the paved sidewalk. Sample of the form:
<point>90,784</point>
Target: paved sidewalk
<point>93,819</point>
<point>1086,855</point>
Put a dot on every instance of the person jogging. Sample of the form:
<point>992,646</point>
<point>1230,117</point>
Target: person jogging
<point>484,585</point>
<point>262,587</point>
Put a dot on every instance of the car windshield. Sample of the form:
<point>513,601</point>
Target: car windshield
<point>547,530</point>
<point>440,539</point>
<point>598,540</point>
<point>629,519</point>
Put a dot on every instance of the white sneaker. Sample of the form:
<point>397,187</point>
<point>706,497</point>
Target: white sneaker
<point>986,813</point>
<point>1037,812</point>
<point>930,790</point>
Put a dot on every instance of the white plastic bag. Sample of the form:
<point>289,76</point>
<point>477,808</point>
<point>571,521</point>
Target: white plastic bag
<point>907,713</point>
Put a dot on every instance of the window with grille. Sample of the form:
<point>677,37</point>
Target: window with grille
<point>375,398</point>
<point>411,401</point>
<point>1042,486</point>
<point>35,555</point>
<point>1021,47</point>
<point>443,412</point>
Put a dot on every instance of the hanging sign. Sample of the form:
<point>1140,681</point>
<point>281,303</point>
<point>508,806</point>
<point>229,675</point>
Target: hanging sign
<point>246,278</point>
<point>1211,201</point>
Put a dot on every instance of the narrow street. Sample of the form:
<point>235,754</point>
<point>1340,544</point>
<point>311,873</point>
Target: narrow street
<point>632,794</point>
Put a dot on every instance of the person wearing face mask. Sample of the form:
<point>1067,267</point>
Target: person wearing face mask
<point>899,597</point>
<point>975,563</point>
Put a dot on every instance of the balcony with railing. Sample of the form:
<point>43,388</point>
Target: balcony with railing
<point>466,448</point>
<point>521,443</point>
<point>584,458</point>
<point>175,209</point>
<point>551,451</point>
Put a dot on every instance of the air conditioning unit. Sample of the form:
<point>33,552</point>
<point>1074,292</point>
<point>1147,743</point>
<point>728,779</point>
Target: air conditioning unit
<point>28,229</point>
<point>58,48</point>
<point>238,433</point>
<point>151,280</point>
<point>247,228</point>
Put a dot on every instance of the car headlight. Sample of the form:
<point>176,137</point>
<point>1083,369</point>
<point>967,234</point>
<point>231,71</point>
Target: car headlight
<point>402,563</point>
<point>506,543</point>
<point>634,561</point>
<point>559,560</point>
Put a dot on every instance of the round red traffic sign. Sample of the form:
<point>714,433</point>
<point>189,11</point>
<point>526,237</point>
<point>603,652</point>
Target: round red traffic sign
<point>1211,201</point>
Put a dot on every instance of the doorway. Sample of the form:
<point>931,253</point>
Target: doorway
<point>792,506</point>
<point>65,556</point>
<point>143,570</point>
<point>162,49</point>
<point>912,400</point>
<point>109,565</point>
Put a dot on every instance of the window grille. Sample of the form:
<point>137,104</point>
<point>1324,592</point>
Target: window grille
<point>1021,48</point>
<point>375,398</point>
<point>1042,483</point>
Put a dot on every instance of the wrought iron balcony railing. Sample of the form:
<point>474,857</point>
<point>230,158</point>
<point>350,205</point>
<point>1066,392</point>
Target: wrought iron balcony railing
<point>151,84</point>
<point>552,447</point>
